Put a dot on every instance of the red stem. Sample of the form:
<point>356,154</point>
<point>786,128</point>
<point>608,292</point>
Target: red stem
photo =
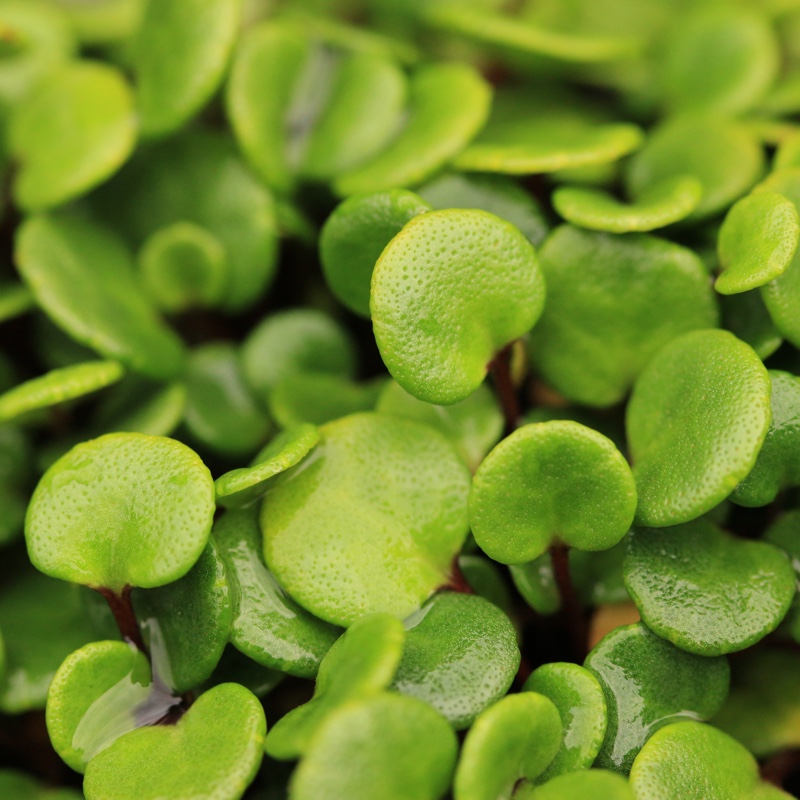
<point>500,368</point>
<point>122,609</point>
<point>571,607</point>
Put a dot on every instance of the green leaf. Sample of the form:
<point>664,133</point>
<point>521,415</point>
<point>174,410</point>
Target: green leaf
<point>695,761</point>
<point>777,467</point>
<point>185,648</point>
<point>721,59</point>
<point>94,698</point>
<point>704,590</point>
<point>723,155</point>
<point>141,407</point>
<point>450,291</point>
<point>473,425</point>
<point>214,751</point>
<point>221,411</point>
<point>582,785</point>
<point>360,664</point>
<point>394,747</point>
<point>15,300</point>
<point>58,386</point>
<point>180,53</point>
<point>19,786</point>
<point>145,522</point>
<point>580,702</point>
<point>536,582</point>
<point>515,738</point>
<point>746,316</point>
<point>354,237</point>
<point>240,487</point>
<point>664,203</point>
<point>612,303</point>
<point>292,341</point>
<point>551,483</point>
<point>267,626</point>
<point>757,242</point>
<point>110,313</point>
<point>449,103</point>
<point>649,683</point>
<point>370,521</point>
<point>460,656</point>
<point>71,133</point>
<point>42,621</point>
<point>696,421</point>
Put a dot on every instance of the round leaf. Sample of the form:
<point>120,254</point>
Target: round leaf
<point>370,522</point>
<point>144,523</point>
<point>70,134</point>
<point>449,291</point>
<point>696,421</point>
<point>460,656</point>
<point>649,683</point>
<point>552,482</point>
<point>110,313</point>
<point>704,590</point>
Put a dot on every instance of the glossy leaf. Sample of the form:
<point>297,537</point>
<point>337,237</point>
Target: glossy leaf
<point>612,303</point>
<point>669,201</point>
<point>579,699</point>
<point>214,750</point>
<point>449,103</point>
<point>386,501</point>
<point>581,785</point>
<point>449,291</point>
<point>551,483</point>
<point>354,237</point>
<point>649,683</point>
<point>58,386</point>
<point>757,242</point>
<point>360,664</point>
<point>70,134</point>
<point>696,421</point>
<point>704,590</point>
<point>110,314</point>
<point>395,748</point>
<point>460,656</point>
<point>180,52</point>
<point>145,522</point>
<point>515,738</point>
<point>240,487</point>
<point>267,626</point>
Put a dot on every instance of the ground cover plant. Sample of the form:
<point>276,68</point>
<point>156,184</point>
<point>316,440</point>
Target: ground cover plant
<point>400,399</point>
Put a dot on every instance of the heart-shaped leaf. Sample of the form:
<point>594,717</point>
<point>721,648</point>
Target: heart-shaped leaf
<point>58,386</point>
<point>449,291</point>
<point>145,522</point>
<point>582,785</point>
<point>757,242</point>
<point>552,482</point>
<point>696,421</point>
<point>361,663</point>
<point>777,467</point>
<point>354,237</point>
<point>612,303</point>
<point>704,590</point>
<point>394,747</point>
<point>240,487</point>
<point>649,683</point>
<point>385,502</point>
<point>94,699</point>
<point>214,751</point>
<point>579,698</point>
<point>515,738</point>
<point>74,130</point>
<point>723,155</point>
<point>664,203</point>
<point>297,340</point>
<point>268,626</point>
<point>448,104</point>
<point>111,314</point>
<point>180,53</point>
<point>185,648</point>
<point>460,656</point>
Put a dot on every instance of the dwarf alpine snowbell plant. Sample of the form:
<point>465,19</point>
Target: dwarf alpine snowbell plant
<point>400,399</point>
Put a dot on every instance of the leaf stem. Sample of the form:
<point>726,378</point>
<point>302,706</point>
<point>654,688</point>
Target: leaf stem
<point>571,607</point>
<point>457,582</point>
<point>500,368</point>
<point>122,609</point>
